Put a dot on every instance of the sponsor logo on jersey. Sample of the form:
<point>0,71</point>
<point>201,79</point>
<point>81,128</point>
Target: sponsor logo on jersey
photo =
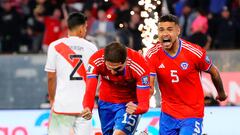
<point>90,69</point>
<point>207,59</point>
<point>145,80</point>
<point>184,65</point>
<point>161,66</point>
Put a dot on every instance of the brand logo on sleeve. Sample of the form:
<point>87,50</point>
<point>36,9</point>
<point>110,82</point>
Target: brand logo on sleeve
<point>184,65</point>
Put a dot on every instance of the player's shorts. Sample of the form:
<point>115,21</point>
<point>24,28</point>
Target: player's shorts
<point>114,116</point>
<point>60,124</point>
<point>172,126</point>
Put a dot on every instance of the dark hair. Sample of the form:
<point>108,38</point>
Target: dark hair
<point>76,19</point>
<point>169,18</point>
<point>115,52</point>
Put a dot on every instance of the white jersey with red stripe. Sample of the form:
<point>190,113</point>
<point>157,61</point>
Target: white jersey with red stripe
<point>68,57</point>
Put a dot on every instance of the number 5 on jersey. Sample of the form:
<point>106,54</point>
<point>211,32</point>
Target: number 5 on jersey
<point>174,76</point>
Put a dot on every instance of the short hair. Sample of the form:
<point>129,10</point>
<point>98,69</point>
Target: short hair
<point>115,52</point>
<point>76,19</point>
<point>169,18</point>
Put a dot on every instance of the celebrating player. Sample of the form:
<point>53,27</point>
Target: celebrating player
<point>66,62</point>
<point>177,64</point>
<point>124,88</point>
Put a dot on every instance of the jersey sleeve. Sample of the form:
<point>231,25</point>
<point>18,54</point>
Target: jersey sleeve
<point>142,88</point>
<point>151,65</point>
<point>51,59</point>
<point>205,62</point>
<point>91,82</point>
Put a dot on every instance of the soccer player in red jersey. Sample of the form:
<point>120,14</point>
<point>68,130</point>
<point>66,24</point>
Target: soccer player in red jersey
<point>124,88</point>
<point>177,64</point>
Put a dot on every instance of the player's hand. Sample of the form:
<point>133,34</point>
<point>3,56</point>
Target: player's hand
<point>131,107</point>
<point>86,114</point>
<point>221,96</point>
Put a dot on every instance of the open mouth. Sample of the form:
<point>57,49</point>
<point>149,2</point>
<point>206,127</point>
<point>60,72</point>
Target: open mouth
<point>166,40</point>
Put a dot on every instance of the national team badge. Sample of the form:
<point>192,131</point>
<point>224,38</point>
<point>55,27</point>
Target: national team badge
<point>184,65</point>
<point>207,59</point>
<point>90,68</point>
<point>145,80</point>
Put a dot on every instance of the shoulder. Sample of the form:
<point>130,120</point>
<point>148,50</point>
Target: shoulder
<point>134,55</point>
<point>89,45</point>
<point>56,42</point>
<point>153,50</point>
<point>193,49</point>
<point>136,62</point>
<point>52,45</point>
<point>97,58</point>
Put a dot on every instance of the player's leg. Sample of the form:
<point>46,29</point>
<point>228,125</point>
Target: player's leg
<point>60,124</point>
<point>82,126</point>
<point>106,115</point>
<point>125,124</point>
<point>168,125</point>
<point>191,126</point>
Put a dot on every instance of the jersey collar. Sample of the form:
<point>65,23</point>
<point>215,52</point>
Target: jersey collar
<point>179,50</point>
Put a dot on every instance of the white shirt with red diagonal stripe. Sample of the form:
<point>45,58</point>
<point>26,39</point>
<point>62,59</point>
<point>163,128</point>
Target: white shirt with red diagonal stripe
<point>64,59</point>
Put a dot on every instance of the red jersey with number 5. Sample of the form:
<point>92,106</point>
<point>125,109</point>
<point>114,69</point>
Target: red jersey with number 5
<point>179,78</point>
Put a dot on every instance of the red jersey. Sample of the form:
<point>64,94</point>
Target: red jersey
<point>179,78</point>
<point>52,30</point>
<point>132,85</point>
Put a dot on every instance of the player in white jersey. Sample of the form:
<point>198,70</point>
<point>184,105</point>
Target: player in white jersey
<point>66,67</point>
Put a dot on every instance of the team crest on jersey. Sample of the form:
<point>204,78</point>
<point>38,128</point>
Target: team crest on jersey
<point>145,80</point>
<point>184,65</point>
<point>90,68</point>
<point>207,59</point>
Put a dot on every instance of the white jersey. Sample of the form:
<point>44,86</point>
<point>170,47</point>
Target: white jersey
<point>68,57</point>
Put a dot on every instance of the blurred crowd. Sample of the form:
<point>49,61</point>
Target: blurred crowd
<point>29,26</point>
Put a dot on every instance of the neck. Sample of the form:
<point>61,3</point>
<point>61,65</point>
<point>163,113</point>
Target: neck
<point>75,34</point>
<point>174,49</point>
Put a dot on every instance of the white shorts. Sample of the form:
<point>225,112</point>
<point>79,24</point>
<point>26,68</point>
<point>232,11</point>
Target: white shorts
<point>61,124</point>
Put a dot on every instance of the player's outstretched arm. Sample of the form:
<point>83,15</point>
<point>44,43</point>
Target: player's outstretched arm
<point>217,81</point>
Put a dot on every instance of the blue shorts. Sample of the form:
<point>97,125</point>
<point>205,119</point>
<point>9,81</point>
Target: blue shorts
<point>172,126</point>
<point>114,116</point>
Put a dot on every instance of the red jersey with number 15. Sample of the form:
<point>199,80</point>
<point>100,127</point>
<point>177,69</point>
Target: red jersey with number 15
<point>120,88</point>
<point>179,78</point>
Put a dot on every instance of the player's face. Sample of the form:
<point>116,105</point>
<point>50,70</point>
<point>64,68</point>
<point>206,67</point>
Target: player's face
<point>115,68</point>
<point>168,34</point>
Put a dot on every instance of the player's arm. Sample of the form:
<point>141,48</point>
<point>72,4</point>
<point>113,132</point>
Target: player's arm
<point>51,86</point>
<point>151,84</point>
<point>91,87</point>
<point>217,81</point>
<point>143,103</point>
<point>143,94</point>
<point>89,97</point>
